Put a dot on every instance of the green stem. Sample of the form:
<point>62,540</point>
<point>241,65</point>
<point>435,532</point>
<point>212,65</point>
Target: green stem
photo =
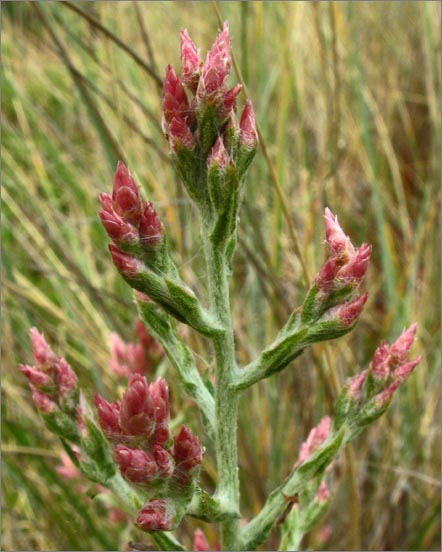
<point>226,398</point>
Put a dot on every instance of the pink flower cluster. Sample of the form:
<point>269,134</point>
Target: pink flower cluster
<point>207,82</point>
<point>135,358</point>
<point>346,267</point>
<point>138,428</point>
<point>131,223</point>
<point>389,367</point>
<point>53,383</point>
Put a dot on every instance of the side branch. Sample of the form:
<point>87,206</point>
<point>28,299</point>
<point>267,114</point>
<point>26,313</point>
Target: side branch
<point>179,354</point>
<point>258,529</point>
<point>290,342</point>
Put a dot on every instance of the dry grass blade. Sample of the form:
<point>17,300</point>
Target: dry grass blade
<point>111,36</point>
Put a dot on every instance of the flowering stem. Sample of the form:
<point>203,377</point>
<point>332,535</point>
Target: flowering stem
<point>226,398</point>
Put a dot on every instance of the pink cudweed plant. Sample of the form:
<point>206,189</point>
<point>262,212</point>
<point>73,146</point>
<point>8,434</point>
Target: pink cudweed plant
<point>127,446</point>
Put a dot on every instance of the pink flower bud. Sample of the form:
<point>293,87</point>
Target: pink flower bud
<point>108,415</point>
<point>337,240</point>
<point>200,543</point>
<point>151,229</point>
<point>323,493</point>
<point>156,515</point>
<point>160,396</point>
<point>326,276</point>
<point>43,354</point>
<point>164,462</point>
<point>187,451</point>
<point>380,365</point>
<point>248,136</point>
<point>385,396</point>
<point>229,101</point>
<point>125,263</point>
<point>175,103</point>
<point>136,465</point>
<point>402,372</point>
<point>36,377</point>
<point>67,380</point>
<point>218,155</point>
<point>356,384</point>
<point>315,438</point>
<point>349,312</point>
<point>191,61</point>
<point>356,267</point>
<point>43,402</point>
<point>125,195</point>
<point>401,347</point>
<point>137,416</point>
<point>180,134</point>
<point>118,229</point>
<point>216,69</point>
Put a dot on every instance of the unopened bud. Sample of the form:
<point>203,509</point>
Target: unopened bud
<point>337,240</point>
<point>355,385</point>
<point>125,195</point>
<point>191,61</point>
<point>384,397</point>
<point>180,134</point>
<point>216,68</point>
<point>164,462</point>
<point>150,228</point>
<point>326,276</point>
<point>43,402</point>
<point>43,354</point>
<point>349,312</point>
<point>229,101</point>
<point>380,365</point>
<point>248,136</point>
<point>315,438</point>
<point>36,377</point>
<point>108,414</point>
<point>136,465</point>
<point>67,380</point>
<point>403,372</point>
<point>126,264</point>
<point>187,452</point>
<point>175,101</point>
<point>218,155</point>
<point>156,515</point>
<point>401,347</point>
<point>356,267</point>
<point>137,415</point>
<point>118,229</point>
<point>160,396</point>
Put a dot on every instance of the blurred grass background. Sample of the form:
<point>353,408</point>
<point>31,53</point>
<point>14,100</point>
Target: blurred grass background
<point>347,96</point>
